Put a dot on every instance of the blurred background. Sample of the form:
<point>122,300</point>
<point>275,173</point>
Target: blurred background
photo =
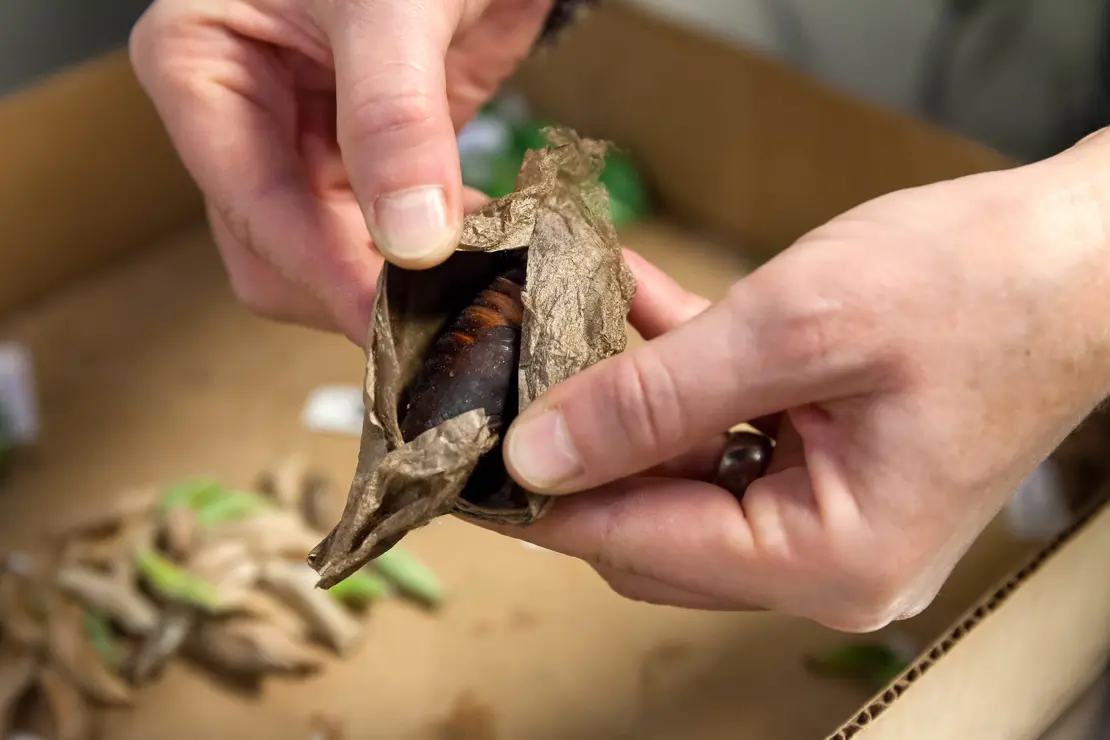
<point>1025,76</point>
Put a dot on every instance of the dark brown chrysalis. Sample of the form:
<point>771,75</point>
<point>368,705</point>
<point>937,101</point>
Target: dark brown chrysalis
<point>473,365</point>
<point>745,458</point>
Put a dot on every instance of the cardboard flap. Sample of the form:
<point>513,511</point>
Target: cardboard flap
<point>732,140</point>
<point>88,175</point>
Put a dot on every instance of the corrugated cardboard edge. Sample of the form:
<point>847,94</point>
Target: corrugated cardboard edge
<point>1016,693</point>
<point>89,175</point>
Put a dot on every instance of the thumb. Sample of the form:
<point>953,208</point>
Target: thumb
<point>756,353</point>
<point>394,124</point>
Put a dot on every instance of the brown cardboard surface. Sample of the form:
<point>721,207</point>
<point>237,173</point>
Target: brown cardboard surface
<point>152,372</point>
<point>734,142</point>
<point>87,175</point>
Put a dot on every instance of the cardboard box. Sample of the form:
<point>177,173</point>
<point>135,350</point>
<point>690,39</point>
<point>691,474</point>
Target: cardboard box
<point>149,371</point>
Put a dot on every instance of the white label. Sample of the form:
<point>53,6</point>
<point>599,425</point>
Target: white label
<point>18,401</point>
<point>336,409</point>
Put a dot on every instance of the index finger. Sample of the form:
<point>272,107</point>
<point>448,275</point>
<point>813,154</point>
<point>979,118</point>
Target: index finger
<point>232,118</point>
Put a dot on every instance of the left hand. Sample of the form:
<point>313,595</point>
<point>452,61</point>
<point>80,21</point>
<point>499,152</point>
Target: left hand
<point>925,351</point>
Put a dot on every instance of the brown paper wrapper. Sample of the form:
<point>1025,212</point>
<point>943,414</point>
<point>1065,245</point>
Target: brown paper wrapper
<point>576,299</point>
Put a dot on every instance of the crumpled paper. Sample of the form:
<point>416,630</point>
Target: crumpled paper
<point>576,299</point>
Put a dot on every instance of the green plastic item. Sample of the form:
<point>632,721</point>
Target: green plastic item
<point>628,199</point>
<point>410,576</point>
<point>872,664</point>
<point>361,588</point>
<point>176,584</point>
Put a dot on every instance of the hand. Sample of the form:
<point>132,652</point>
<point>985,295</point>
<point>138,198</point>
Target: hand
<point>311,124</point>
<point>928,348</point>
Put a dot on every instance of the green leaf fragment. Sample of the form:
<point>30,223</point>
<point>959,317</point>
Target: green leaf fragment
<point>872,664</point>
<point>411,577</point>
<point>360,588</point>
<point>176,584</point>
<point>213,502</point>
<point>98,628</point>
<point>234,505</point>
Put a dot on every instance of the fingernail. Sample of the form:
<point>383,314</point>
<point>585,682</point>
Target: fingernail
<point>542,453</point>
<point>413,226</point>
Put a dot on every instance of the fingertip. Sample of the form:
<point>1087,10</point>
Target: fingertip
<point>415,228</point>
<point>539,453</point>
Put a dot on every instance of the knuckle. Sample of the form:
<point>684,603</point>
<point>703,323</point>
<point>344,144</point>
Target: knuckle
<point>649,408</point>
<point>382,108</point>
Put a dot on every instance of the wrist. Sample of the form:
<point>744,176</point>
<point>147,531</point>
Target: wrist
<point>1067,199</point>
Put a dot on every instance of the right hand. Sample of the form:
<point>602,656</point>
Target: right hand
<point>315,126</point>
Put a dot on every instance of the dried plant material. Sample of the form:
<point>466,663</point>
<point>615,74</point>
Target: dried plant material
<point>18,669</point>
<point>249,647</point>
<point>72,652</point>
<point>68,711</point>
<point>22,609</point>
<point>115,597</point>
<point>267,608</point>
<point>555,233</point>
<point>284,481</point>
<point>162,645</point>
<point>410,575</point>
<point>295,584</point>
<point>228,566</point>
<point>315,501</point>
<point>271,534</point>
<point>180,527</point>
<point>174,583</point>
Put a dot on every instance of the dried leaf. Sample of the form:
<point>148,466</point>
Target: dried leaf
<point>273,534</point>
<point>22,609</point>
<point>295,584</point>
<point>315,501</point>
<point>264,607</point>
<point>249,647</point>
<point>18,668</point>
<point>68,710</point>
<point>118,599</point>
<point>162,644</point>
<point>284,482</point>
<point>576,299</point>
<point>228,566</point>
<point>70,649</point>
<point>180,527</point>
